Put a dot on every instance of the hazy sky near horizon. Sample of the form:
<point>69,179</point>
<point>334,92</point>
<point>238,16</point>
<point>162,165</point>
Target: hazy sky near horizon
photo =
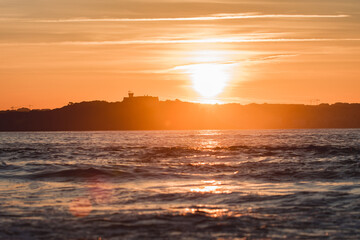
<point>275,51</point>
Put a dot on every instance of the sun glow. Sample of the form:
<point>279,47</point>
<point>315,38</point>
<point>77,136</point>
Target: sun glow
<point>209,79</point>
<point>209,71</point>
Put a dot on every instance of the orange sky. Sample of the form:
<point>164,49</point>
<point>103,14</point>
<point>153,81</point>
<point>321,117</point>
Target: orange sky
<point>276,51</point>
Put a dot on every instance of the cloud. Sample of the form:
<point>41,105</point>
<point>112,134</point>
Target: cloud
<point>236,62</point>
<point>222,16</point>
<point>185,41</point>
<point>271,57</point>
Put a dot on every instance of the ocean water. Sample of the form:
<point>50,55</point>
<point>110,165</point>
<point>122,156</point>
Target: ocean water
<point>268,184</point>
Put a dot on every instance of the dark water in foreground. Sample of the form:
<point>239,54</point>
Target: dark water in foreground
<point>271,184</point>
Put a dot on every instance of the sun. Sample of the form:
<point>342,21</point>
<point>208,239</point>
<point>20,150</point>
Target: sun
<point>209,79</point>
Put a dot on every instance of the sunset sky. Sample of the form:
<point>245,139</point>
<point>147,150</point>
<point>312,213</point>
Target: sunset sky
<point>277,51</point>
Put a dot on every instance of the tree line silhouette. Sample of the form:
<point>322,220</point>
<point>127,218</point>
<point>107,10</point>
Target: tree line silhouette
<point>174,115</point>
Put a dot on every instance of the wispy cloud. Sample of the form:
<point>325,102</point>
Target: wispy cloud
<point>186,41</point>
<point>223,16</point>
<point>257,59</point>
<point>271,57</point>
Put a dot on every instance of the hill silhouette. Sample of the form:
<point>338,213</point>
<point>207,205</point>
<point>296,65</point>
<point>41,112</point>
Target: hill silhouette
<point>161,115</point>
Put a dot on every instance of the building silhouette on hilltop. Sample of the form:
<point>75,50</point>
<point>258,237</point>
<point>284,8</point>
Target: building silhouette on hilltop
<point>140,99</point>
<point>148,113</point>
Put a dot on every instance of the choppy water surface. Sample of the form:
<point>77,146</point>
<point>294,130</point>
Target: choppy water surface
<point>271,184</point>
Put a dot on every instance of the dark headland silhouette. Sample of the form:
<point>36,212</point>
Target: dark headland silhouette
<point>148,113</point>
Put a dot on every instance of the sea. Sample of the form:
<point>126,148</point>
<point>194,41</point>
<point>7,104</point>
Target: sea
<point>208,184</point>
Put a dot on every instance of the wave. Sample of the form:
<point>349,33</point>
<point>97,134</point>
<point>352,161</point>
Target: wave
<point>268,169</point>
<point>264,171</point>
<point>296,171</point>
<point>115,173</point>
<point>263,150</point>
<point>268,150</point>
<point>76,173</point>
<point>153,153</point>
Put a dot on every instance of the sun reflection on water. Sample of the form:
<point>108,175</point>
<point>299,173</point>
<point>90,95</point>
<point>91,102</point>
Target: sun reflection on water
<point>206,189</point>
<point>210,212</point>
<point>210,186</point>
